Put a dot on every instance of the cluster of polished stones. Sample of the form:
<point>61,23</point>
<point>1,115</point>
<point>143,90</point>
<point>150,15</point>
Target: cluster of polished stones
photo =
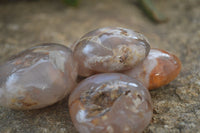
<point>119,67</point>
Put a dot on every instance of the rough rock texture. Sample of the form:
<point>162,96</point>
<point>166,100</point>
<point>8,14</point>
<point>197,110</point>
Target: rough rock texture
<point>176,105</point>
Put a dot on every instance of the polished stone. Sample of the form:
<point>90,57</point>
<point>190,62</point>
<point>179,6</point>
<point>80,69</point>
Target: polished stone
<point>110,103</point>
<point>37,77</point>
<point>158,69</point>
<point>110,49</point>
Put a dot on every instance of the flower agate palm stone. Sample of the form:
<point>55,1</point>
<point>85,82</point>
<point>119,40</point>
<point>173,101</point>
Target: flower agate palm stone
<point>110,103</point>
<point>158,69</point>
<point>37,77</point>
<point>110,49</point>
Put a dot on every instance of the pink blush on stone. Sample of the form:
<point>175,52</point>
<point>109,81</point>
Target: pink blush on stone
<point>37,77</point>
<point>109,49</point>
<point>110,103</point>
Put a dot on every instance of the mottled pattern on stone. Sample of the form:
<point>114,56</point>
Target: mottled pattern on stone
<point>37,77</point>
<point>110,103</point>
<point>110,49</point>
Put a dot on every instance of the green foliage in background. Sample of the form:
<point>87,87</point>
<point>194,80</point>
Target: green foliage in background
<point>146,5</point>
<point>72,2</point>
<point>151,11</point>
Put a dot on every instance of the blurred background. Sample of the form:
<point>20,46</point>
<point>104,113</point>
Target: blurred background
<point>172,25</point>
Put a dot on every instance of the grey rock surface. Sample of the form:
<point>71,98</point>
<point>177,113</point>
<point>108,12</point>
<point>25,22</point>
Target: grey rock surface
<point>176,106</point>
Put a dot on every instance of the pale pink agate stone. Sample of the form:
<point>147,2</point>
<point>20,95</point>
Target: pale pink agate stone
<point>110,103</point>
<point>37,77</point>
<point>110,49</point>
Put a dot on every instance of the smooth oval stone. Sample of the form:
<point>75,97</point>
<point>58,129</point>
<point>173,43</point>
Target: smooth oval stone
<point>110,103</point>
<point>110,49</point>
<point>158,69</point>
<point>37,77</point>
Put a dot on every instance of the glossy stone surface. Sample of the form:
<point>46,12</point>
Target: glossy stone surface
<point>110,103</point>
<point>158,69</point>
<point>37,77</point>
<point>110,49</point>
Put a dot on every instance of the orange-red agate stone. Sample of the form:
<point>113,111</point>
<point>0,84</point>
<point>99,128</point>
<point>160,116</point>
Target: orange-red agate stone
<point>158,69</point>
